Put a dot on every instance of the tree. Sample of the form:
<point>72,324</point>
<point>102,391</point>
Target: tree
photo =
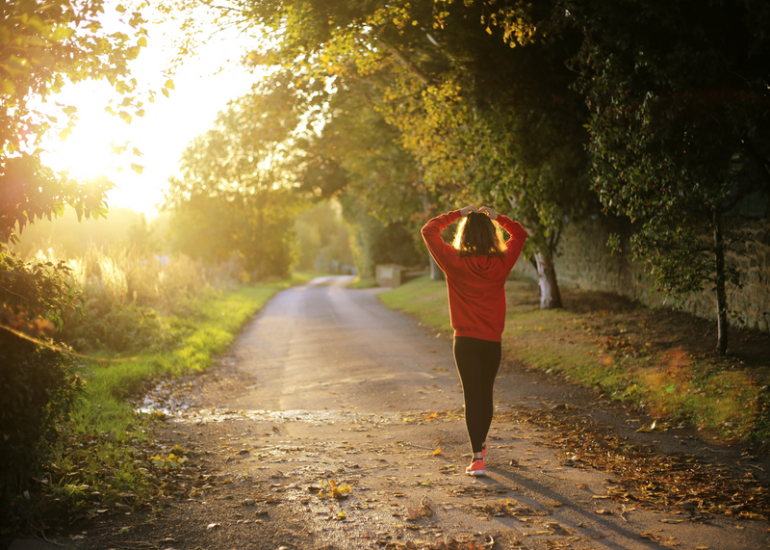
<point>358,158</point>
<point>679,128</point>
<point>234,196</point>
<point>43,46</point>
<point>480,120</point>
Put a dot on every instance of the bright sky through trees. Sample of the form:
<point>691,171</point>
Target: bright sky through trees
<point>202,88</point>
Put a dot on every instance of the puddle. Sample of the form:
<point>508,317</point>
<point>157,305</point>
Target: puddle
<point>204,416</point>
<point>166,397</point>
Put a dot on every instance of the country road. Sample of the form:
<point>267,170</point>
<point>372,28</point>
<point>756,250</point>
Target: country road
<point>327,385</point>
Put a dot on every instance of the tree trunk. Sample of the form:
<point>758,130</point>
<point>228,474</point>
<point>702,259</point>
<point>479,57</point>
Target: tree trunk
<point>550,297</point>
<point>719,250</point>
<point>435,271</point>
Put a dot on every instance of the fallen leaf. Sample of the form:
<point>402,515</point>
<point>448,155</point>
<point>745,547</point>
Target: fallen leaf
<point>673,521</point>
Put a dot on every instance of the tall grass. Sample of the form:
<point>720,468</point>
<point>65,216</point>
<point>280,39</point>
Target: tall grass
<point>133,300</point>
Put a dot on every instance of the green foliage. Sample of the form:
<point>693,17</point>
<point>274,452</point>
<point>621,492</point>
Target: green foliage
<point>233,198</point>
<point>42,45</point>
<point>101,444</point>
<point>68,237</point>
<point>321,238</point>
<point>133,301</point>
<point>427,106</point>
<point>37,388</point>
<point>679,128</point>
<point>36,385</point>
<point>373,242</point>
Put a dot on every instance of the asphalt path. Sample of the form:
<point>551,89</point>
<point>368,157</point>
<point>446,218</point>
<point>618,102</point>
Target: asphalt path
<point>321,346</point>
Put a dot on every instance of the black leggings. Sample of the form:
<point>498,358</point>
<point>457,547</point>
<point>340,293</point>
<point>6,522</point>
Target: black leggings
<point>477,362</point>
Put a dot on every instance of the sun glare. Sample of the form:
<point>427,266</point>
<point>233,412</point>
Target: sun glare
<point>87,152</point>
<point>202,88</point>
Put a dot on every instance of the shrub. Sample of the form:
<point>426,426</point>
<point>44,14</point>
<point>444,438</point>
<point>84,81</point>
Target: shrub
<point>37,384</point>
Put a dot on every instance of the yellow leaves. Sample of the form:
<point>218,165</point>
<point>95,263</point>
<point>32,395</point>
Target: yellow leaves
<point>435,453</point>
<point>168,462</point>
<point>138,168</point>
<point>127,118</point>
<point>7,87</point>
<point>169,84</point>
<point>332,490</point>
<point>142,42</point>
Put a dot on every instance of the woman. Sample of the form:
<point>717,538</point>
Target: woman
<point>476,269</point>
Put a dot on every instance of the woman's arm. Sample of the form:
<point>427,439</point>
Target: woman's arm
<point>431,234</point>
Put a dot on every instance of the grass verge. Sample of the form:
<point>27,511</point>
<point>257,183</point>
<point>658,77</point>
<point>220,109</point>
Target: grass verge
<point>359,283</point>
<point>655,359</point>
<point>98,461</point>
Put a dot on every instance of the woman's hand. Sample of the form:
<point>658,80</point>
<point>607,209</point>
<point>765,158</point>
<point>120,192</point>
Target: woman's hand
<point>491,213</point>
<point>467,210</point>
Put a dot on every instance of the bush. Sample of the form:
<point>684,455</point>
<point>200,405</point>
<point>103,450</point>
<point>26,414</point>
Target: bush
<point>37,384</point>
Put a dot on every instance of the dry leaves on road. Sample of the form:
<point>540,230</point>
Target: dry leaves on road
<point>643,475</point>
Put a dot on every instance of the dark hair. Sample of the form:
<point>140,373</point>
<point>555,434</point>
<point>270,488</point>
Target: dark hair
<point>477,235</point>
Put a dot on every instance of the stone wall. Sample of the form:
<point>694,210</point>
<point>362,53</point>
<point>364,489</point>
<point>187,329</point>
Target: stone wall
<point>585,262</point>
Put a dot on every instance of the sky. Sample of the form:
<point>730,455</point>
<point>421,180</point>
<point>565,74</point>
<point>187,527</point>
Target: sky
<point>202,87</point>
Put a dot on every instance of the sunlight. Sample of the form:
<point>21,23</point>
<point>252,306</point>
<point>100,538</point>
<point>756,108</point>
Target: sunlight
<point>87,152</point>
<point>202,87</point>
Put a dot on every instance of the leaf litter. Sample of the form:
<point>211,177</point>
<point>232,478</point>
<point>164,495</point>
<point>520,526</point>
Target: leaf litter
<point>644,476</point>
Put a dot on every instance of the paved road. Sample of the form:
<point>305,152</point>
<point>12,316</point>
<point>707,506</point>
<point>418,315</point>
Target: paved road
<point>321,345</point>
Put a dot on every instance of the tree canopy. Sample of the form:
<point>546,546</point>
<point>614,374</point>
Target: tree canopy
<point>234,196</point>
<point>680,129</point>
<point>478,120</point>
<point>45,46</point>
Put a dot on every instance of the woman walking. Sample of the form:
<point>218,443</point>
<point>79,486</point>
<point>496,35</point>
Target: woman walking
<point>476,269</point>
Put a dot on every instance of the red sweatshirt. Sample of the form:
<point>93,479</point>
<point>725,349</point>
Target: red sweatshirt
<point>475,284</point>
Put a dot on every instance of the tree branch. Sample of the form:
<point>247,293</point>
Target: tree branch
<point>406,62</point>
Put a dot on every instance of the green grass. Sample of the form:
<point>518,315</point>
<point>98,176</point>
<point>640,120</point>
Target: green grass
<point>359,283</point>
<point>423,298</point>
<point>100,446</point>
<point>669,383</point>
